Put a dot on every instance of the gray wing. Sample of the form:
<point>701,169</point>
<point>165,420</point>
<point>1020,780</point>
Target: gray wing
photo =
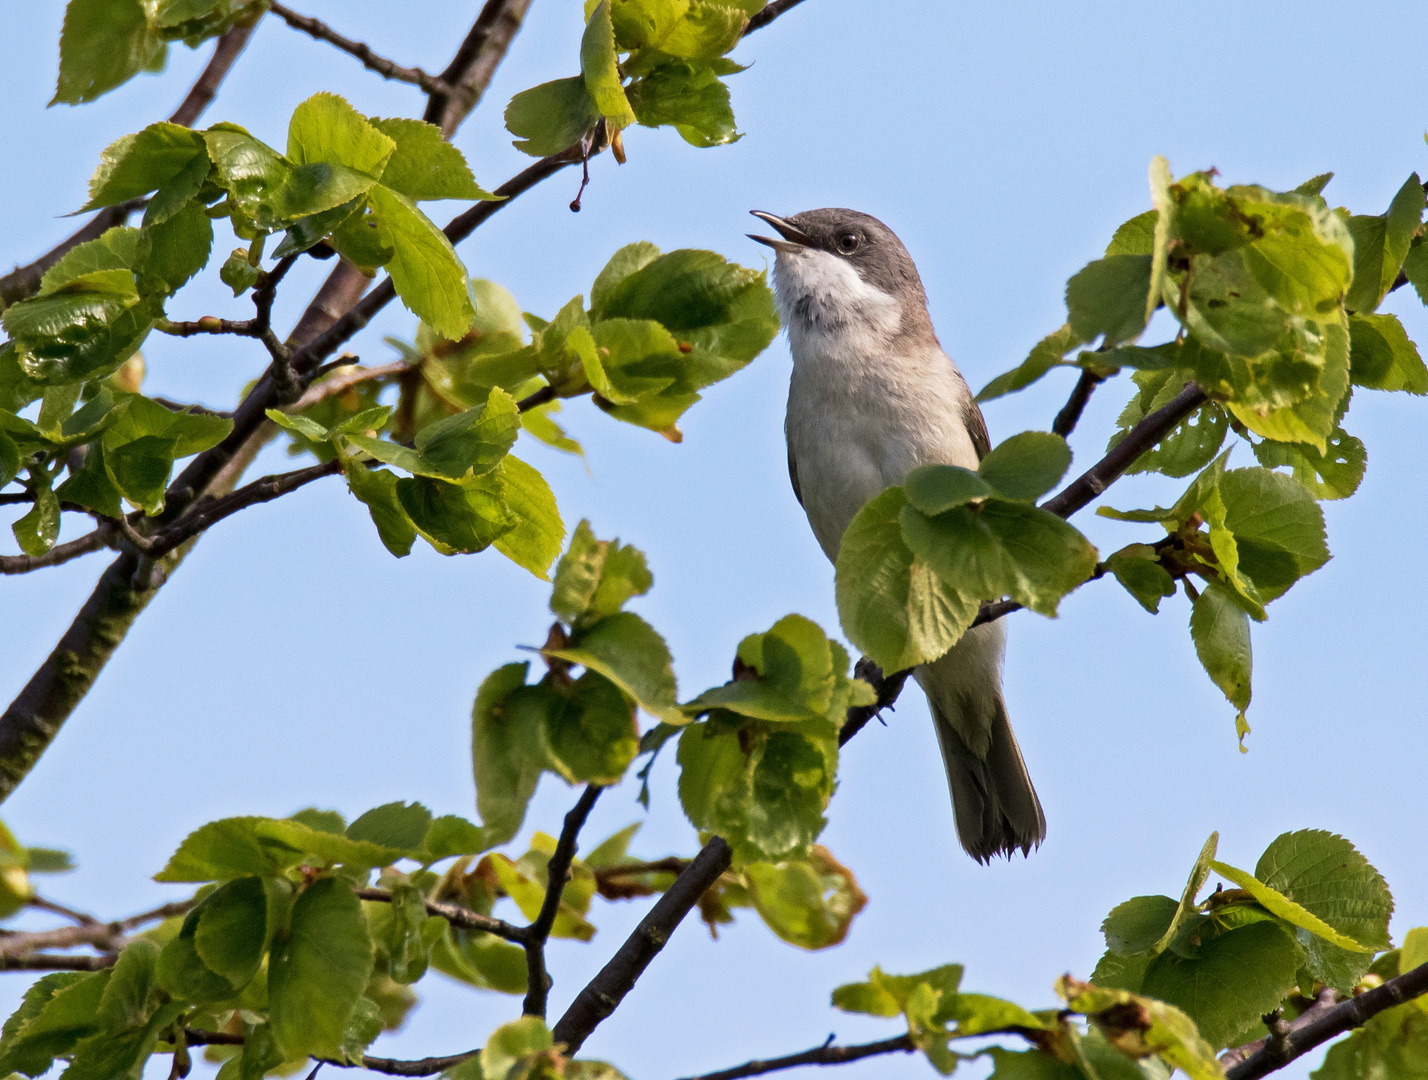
<point>976,427</point>
<point>793,472</point>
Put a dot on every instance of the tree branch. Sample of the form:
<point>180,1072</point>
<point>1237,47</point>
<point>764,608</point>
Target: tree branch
<point>770,12</point>
<point>819,1055</point>
<point>475,62</point>
<point>24,281</point>
<point>1124,454</point>
<point>455,914</point>
<point>534,937</point>
<point>97,540</point>
<point>1070,413</point>
<point>56,962</point>
<point>1315,1028</point>
<point>361,50</point>
<point>603,994</point>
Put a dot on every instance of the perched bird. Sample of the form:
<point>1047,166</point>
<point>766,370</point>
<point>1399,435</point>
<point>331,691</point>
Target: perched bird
<point>872,397</point>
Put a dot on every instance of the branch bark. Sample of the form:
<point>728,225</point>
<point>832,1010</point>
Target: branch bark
<point>1070,413</point>
<point>603,994</point>
<point>1315,1028</point>
<point>388,69</point>
<point>24,281</point>
<point>97,540</point>
<point>819,1055</point>
<point>455,914</point>
<point>534,937</point>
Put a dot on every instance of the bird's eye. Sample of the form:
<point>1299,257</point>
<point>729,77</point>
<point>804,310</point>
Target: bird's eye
<point>848,242</point>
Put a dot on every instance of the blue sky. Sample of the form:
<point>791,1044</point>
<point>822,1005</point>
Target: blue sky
<point>293,662</point>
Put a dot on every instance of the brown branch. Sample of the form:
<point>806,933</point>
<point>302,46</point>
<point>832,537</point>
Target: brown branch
<point>56,962</point>
<point>475,62</point>
<point>339,384</point>
<point>455,914</point>
<point>1070,413</point>
<point>210,511</point>
<point>819,1055</point>
<point>361,50</point>
<point>1316,1027</point>
<point>1124,454</point>
<point>59,909</point>
<point>97,540</point>
<point>887,688</point>
<point>24,281</point>
<point>603,994</point>
<point>770,12</point>
<point>201,96</point>
<point>391,1066</point>
<point>557,870</point>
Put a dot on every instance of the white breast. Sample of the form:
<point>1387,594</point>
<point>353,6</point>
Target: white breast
<point>866,405</point>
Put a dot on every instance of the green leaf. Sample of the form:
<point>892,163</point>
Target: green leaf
<point>1380,245</point>
<point>637,358</point>
<point>240,846</point>
<point>1415,268</point>
<point>233,930</point>
<point>1232,980</point>
<point>1332,475</point>
<point>511,1045</point>
<point>592,731</point>
<point>600,68</point>
<point>317,974</point>
<point>1220,630</point>
<point>1278,528</point>
<point>551,117</point>
<point>508,749</point>
<point>1328,877</point>
<point>84,328</point>
<point>691,31</point>
<point>104,44</point>
<point>405,936</point>
<point>790,673</point>
<point>622,264</point>
<point>810,904</point>
<point>631,654</point>
<point>427,273</point>
<point>1159,1028</point>
<point>37,531</point>
<point>451,835</point>
<point>426,166</point>
<point>792,783</point>
<point>935,488</point>
<point>1287,909</point>
<point>1139,926</point>
<point>468,516</point>
<point>1134,237</point>
<point>1192,444</point>
<point>1382,357</point>
<point>1048,353</point>
<point>271,191</point>
<point>595,578</point>
<point>140,470</point>
<point>535,540</point>
<point>325,129</point>
<point>130,996</point>
<point>155,158</point>
<point>394,825</point>
<point>1137,568</point>
<point>238,273</point>
<point>1026,466</point>
<point>688,97</point>
<point>472,442</point>
<point>715,780</point>
<point>1185,911</point>
<point>170,253</point>
<point>1108,298</point>
<point>57,1012</point>
<point>377,488</point>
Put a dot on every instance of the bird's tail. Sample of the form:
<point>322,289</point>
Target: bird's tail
<point>996,807</point>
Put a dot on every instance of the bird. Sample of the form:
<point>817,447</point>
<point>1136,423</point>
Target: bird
<point>872,397</point>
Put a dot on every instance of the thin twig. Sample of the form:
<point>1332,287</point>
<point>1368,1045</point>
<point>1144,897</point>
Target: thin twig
<point>455,914</point>
<point>475,62</point>
<point>24,281</point>
<point>97,540</point>
<point>1124,454</point>
<point>1315,1028</point>
<point>340,384</point>
<point>361,50</point>
<point>392,1066</point>
<point>603,994</point>
<point>819,1055</point>
<point>56,962</point>
<point>1071,412</point>
<point>59,909</point>
<point>769,14</point>
<point>557,872</point>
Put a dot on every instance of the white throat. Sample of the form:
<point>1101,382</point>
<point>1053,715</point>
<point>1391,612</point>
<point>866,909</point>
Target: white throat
<point>826,306</point>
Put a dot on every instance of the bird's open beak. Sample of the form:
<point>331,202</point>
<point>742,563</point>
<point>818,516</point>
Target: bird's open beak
<point>794,238</point>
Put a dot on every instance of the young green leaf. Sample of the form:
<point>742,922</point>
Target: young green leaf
<point>551,117</point>
<point>600,68</point>
<point>508,749</point>
<point>104,44</point>
<point>325,129</point>
<point>1108,297</point>
<point>424,165</point>
<point>1382,357</point>
<point>1048,353</point>
<point>631,654</point>
<point>425,268</point>
<point>535,540</point>
<point>810,903</point>
<point>317,972</point>
<point>1137,568</point>
<point>1026,466</point>
<point>1220,630</point>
